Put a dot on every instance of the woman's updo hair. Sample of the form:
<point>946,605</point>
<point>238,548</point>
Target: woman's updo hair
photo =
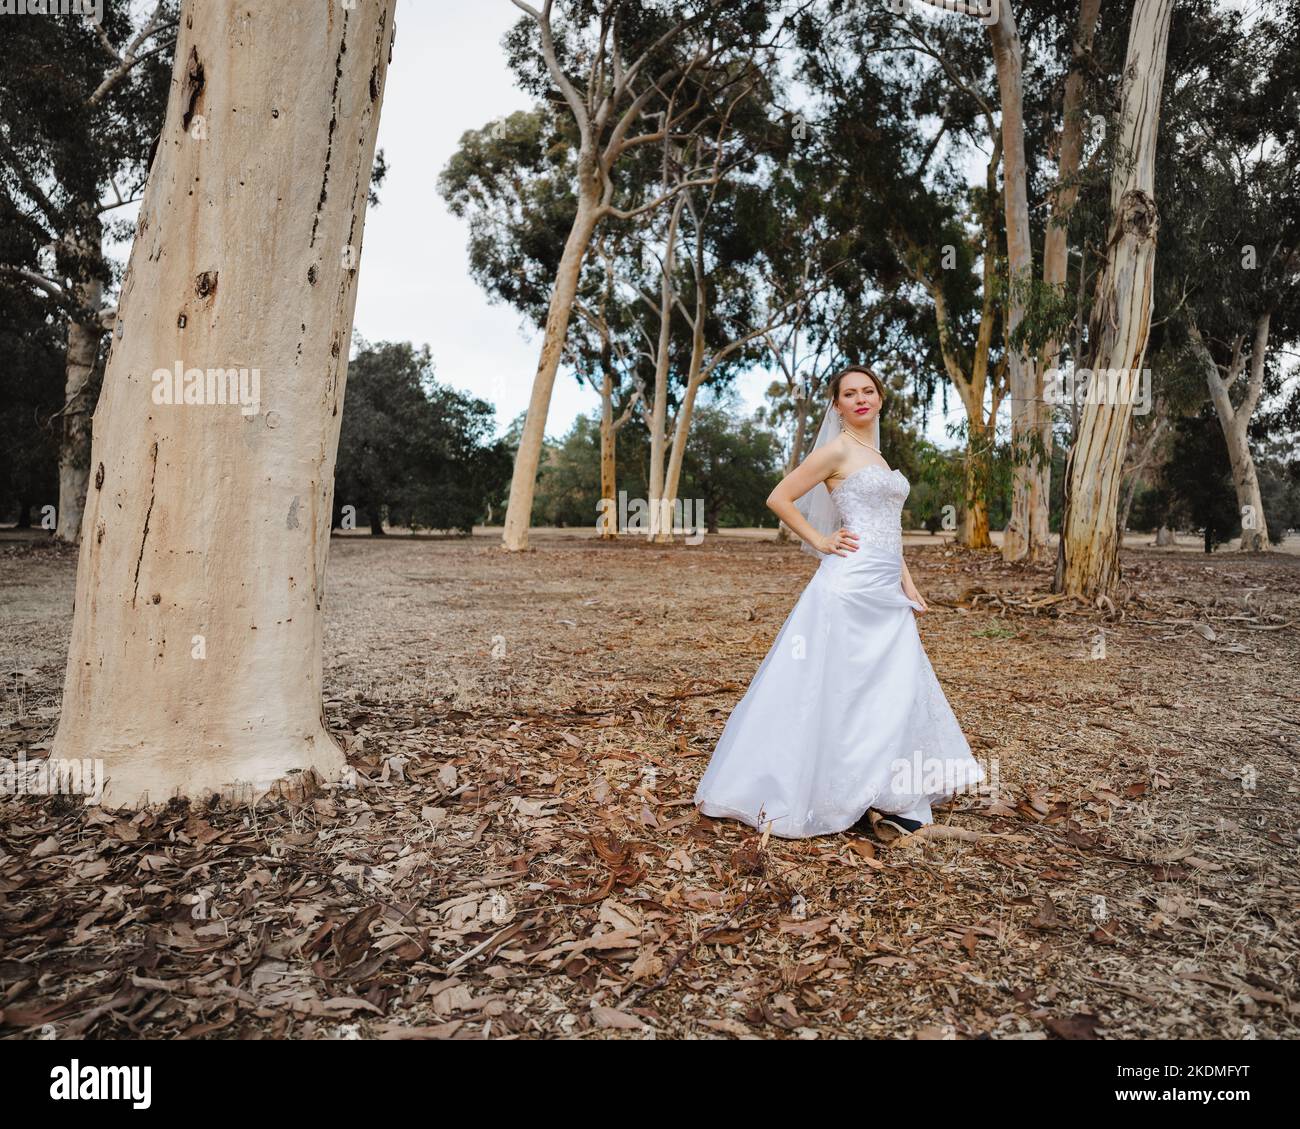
<point>838,378</point>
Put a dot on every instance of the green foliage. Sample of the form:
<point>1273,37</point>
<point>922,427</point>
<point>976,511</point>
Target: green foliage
<point>730,465</point>
<point>936,478</point>
<point>568,482</point>
<point>1277,465</point>
<point>415,451</point>
<point>65,155</point>
<point>31,380</point>
<point>1197,481</point>
<point>1048,314</point>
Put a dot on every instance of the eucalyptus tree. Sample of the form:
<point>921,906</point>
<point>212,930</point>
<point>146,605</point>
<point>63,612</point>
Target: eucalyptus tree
<point>1009,151</point>
<point>606,356</point>
<point>807,350</point>
<point>1230,270</point>
<point>1012,81</point>
<point>195,661</point>
<point>1088,558</point>
<point>513,181</point>
<point>84,103</point>
<point>901,105</point>
<point>629,74</point>
<point>758,254</point>
<point>818,260</point>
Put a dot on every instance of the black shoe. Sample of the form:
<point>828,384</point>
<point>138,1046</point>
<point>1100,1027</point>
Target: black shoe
<point>863,825</point>
<point>899,823</point>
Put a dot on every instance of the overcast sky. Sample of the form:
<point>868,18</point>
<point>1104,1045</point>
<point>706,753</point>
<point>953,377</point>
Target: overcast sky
<point>448,75</point>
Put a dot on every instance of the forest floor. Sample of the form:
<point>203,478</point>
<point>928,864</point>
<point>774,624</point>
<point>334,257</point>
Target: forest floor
<point>519,855</point>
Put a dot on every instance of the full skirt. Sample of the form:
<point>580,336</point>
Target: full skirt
<point>844,713</point>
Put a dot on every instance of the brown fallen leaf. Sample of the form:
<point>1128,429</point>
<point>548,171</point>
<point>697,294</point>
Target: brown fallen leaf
<point>1077,1026</point>
<point>612,1017</point>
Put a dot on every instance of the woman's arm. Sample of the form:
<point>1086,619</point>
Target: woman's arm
<point>817,467</point>
<point>910,591</point>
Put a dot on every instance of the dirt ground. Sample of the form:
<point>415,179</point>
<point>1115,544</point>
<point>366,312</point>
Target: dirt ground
<point>519,855</point>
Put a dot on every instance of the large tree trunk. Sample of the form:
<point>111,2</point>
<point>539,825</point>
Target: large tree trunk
<point>523,483</point>
<point>1022,372</point>
<point>1235,423</point>
<point>1088,561</point>
<point>1056,267</point>
<point>973,526</point>
<point>195,661</point>
<point>973,531</point>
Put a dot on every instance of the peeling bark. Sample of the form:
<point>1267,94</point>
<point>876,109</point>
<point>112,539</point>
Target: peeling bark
<point>1088,559</point>
<point>75,420</point>
<point>1056,266</point>
<point>659,409</point>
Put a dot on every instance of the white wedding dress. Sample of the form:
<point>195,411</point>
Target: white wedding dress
<point>845,712</point>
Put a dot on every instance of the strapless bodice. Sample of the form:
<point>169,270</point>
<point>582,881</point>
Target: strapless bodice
<point>870,503</point>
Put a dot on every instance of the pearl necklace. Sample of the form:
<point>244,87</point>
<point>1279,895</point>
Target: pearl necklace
<point>856,439</point>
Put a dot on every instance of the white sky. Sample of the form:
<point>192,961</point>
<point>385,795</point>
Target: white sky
<point>448,75</point>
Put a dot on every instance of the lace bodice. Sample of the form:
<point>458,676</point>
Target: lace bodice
<point>870,503</point>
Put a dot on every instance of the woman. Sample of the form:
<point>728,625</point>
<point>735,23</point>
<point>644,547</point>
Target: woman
<point>845,713</point>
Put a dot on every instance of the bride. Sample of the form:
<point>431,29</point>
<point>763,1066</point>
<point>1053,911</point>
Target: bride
<point>844,713</point>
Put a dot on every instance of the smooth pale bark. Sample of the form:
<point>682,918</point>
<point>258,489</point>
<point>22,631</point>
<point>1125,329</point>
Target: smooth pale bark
<point>673,475</point>
<point>608,479</point>
<point>1088,561</point>
<point>195,660</point>
<point>659,409</point>
<point>75,430</point>
<point>609,429</point>
<point>1024,390</point>
<point>1235,422</point>
<point>523,482</point>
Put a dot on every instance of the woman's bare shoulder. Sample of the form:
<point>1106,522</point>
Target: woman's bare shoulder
<point>837,453</point>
